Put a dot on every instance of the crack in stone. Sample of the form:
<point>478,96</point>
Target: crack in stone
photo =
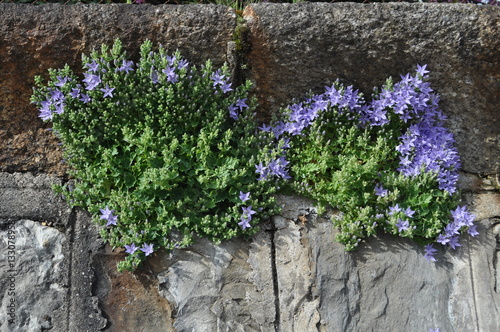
<point>72,225</point>
<point>274,271</point>
<point>473,286</point>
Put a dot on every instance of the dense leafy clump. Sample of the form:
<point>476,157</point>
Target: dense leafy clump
<point>159,150</point>
<point>387,165</point>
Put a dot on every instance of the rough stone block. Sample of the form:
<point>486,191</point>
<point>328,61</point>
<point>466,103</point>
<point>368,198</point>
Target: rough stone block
<point>35,38</point>
<point>306,46</point>
<point>37,281</point>
<point>226,287</point>
<point>386,285</point>
<point>28,196</point>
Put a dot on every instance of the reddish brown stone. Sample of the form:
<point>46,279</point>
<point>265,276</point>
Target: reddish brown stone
<point>36,38</point>
<point>306,46</point>
<point>130,301</point>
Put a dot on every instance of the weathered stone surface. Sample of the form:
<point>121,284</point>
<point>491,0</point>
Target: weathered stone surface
<point>129,301</point>
<point>484,205</point>
<point>38,282</point>
<point>228,287</point>
<point>292,276</point>
<point>302,47</point>
<point>26,196</point>
<point>84,312</point>
<point>35,38</point>
<point>386,285</point>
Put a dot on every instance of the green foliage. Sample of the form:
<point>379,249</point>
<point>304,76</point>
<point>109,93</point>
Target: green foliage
<point>165,156</point>
<point>162,152</point>
<point>354,168</point>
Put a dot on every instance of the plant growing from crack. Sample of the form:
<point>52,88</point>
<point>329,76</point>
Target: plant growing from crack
<point>160,150</point>
<point>389,165</point>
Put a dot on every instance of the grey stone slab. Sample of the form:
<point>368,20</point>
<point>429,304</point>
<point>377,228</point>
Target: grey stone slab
<point>226,287</point>
<point>34,278</point>
<point>385,285</point>
<point>306,46</point>
<point>84,312</point>
<point>28,196</point>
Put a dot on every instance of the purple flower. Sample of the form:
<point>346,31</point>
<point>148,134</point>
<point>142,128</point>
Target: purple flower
<point>92,81</point>
<point>172,77</point>
<point>85,98</point>
<point>472,230</point>
<point>107,215</point>
<point>453,243</point>
<point>45,111</point>
<point>233,112</point>
<point>429,253</point>
<point>409,212</point>
<point>265,128</point>
<point>59,108</point>
<point>244,223</point>
<point>262,170</point>
<point>226,87</point>
<point>62,81</point>
<point>462,217</point>
<point>154,76</point>
<point>93,66</point>
<point>248,212</point>
<point>131,248</point>
<point>443,239</point>
<point>244,197</point>
<point>380,191</point>
<point>452,229</point>
<point>171,60</point>
<point>241,103</point>
<point>402,225</point>
<point>75,93</point>
<point>126,66</point>
<point>147,249</point>
<point>394,209</point>
<point>421,70</point>
<point>108,92</point>
<point>112,220</point>
<point>182,64</point>
<point>436,330</point>
<point>217,78</point>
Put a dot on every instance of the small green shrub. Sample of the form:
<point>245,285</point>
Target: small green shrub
<point>160,151</point>
<point>388,165</point>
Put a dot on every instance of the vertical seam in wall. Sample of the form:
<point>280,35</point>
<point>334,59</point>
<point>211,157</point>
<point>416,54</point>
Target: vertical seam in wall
<point>72,226</point>
<point>473,286</point>
<point>274,270</point>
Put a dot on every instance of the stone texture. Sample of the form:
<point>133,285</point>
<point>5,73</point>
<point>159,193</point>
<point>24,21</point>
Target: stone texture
<point>291,276</point>
<point>40,279</point>
<point>386,285</point>
<point>28,196</point>
<point>35,38</point>
<point>129,301</point>
<point>84,312</point>
<point>306,46</point>
<point>228,287</point>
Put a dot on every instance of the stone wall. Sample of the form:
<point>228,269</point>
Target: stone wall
<point>292,275</point>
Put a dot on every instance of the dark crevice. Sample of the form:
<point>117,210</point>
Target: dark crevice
<point>473,287</point>
<point>71,229</point>
<point>277,317</point>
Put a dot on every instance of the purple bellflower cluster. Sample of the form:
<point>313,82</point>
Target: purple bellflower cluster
<point>426,146</point>
<point>108,216</point>
<point>105,117</point>
<point>247,211</point>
